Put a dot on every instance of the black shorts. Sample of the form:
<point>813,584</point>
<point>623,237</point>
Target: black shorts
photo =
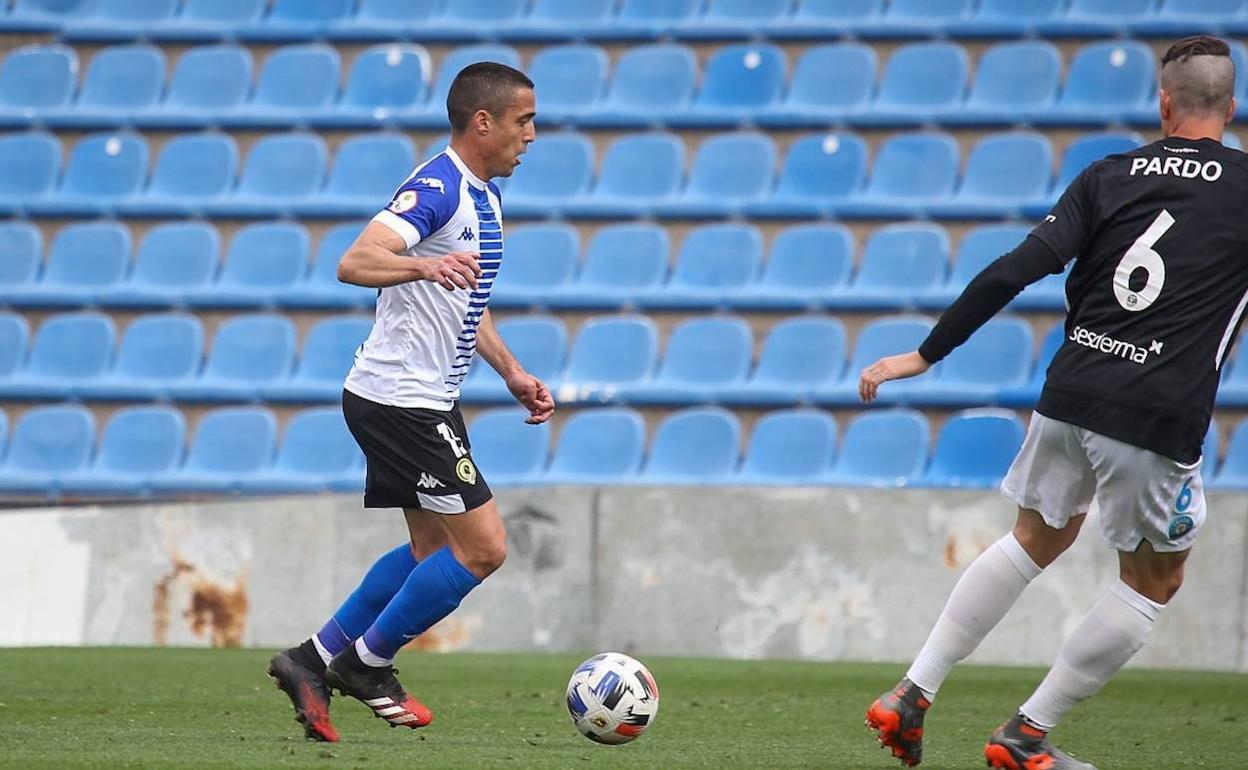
<point>417,458</point>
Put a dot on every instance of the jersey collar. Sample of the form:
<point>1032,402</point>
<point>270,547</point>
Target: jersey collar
<point>463,168</point>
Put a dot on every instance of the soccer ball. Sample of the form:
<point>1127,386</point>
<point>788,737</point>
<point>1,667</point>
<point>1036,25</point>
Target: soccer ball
<point>612,698</point>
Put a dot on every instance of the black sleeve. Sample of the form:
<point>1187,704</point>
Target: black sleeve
<point>1068,227</point>
<point>987,293</point>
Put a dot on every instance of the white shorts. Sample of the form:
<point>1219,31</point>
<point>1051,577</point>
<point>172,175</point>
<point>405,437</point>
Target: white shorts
<point>1142,495</point>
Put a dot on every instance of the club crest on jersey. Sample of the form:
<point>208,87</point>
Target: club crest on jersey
<point>404,202</point>
<point>431,182</point>
<point>1180,526</point>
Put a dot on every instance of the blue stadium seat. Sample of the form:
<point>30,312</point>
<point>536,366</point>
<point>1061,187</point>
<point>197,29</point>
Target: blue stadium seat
<point>103,170</point>
<point>920,18</point>
<point>1209,451</point>
<point>649,19</point>
<point>922,82</point>
<point>39,15</point>
<point>830,82</point>
<point>609,352</point>
<point>14,341</point>
<point>320,288</point>
<point>552,172</point>
<point>68,349</point>
<point>799,356</point>
<point>248,353</point>
<point>978,249</point>
<point>1013,77</point>
<point>790,447</point>
<point>886,336</point>
<point>32,164</point>
<point>704,356</point>
<point>1080,154</point>
<point>640,172</point>
<point>473,20</point>
<point>900,263</point>
<point>1176,18</point>
<point>508,450</point>
<point>911,172</point>
<point>1004,173</point>
<point>730,171</point>
<point>598,446</point>
<point>975,448</point>
<point>208,84</point>
<point>434,114</point>
<point>85,260</point>
<point>1233,472</point>
<point>174,259</point>
<point>367,169</point>
<point>317,454</point>
<point>807,263</point>
<point>21,258</point>
<point>120,81</point>
<point>49,443</point>
<point>996,357</point>
<point>118,19</point>
<point>386,83</point>
<point>820,19</point>
<point>1008,18</point>
<point>1106,82</point>
<point>694,446</point>
<point>209,20</point>
<point>263,261</point>
<point>1232,140</point>
<point>231,445</point>
<point>730,19</point>
<point>622,263</point>
<point>882,449</point>
<point>297,20</point>
<point>4,434</point>
<point>193,170</point>
<point>384,20</point>
<point>737,81</point>
<point>571,80</point>
<point>326,357</point>
<point>36,80</point>
<point>540,259</point>
<point>1098,18</point>
<point>539,342</point>
<point>138,444</point>
<point>155,351</point>
<point>714,261</point>
<point>1027,394</point>
<point>819,172</point>
<point>564,20</point>
<point>296,83</point>
<point>649,81</point>
<point>1233,389</point>
<point>280,170</point>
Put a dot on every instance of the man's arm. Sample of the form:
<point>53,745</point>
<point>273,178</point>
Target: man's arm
<point>531,392</point>
<point>378,259</point>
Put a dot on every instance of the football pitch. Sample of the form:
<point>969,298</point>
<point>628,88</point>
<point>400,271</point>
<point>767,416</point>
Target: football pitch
<point>181,708</point>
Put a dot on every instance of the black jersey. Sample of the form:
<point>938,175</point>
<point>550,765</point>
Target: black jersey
<point>1156,294</point>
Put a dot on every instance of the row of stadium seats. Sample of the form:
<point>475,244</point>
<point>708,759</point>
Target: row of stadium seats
<point>904,266</point>
<point>653,85</point>
<point>913,174</point>
<point>614,19</point>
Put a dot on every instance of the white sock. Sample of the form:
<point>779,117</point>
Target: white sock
<point>982,596</point>
<point>1113,630</point>
<point>325,654</point>
<point>369,657</point>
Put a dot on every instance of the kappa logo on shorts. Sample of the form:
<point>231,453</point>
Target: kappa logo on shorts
<point>429,482</point>
<point>466,471</point>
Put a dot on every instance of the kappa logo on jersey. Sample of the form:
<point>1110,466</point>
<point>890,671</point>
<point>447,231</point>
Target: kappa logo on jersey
<point>1103,343</point>
<point>429,482</point>
<point>467,235</point>
<point>404,202</point>
<point>431,182</point>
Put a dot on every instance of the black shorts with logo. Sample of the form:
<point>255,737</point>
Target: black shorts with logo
<point>417,458</point>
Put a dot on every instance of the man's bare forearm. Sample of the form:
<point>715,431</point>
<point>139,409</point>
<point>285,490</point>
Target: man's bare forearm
<point>492,348</point>
<point>375,267</point>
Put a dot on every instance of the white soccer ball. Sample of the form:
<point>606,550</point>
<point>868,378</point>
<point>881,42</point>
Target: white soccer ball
<point>612,698</point>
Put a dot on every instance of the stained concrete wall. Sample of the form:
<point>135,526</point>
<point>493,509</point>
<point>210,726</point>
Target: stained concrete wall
<point>826,574</point>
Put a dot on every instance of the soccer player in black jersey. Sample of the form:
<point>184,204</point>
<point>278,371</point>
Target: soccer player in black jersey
<point>1155,299</point>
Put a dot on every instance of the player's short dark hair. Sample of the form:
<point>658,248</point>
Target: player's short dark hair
<point>1196,45</point>
<point>486,85</point>
<point>1199,74</point>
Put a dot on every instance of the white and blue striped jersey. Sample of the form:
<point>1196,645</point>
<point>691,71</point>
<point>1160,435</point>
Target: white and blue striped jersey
<point>424,336</point>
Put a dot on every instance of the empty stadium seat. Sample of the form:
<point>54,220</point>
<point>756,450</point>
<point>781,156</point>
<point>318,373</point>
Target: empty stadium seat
<point>386,83</point>
<point>120,81</point>
<point>1233,471</point>
<point>1027,394</point>
<point>208,83</point>
<point>623,262</point>
<point>155,352</point>
<point>730,171</point>
<point>296,83</point>
<point>138,444</point>
<point>911,172</point>
<point>980,247</point>
<point>4,434</point>
<point>1081,153</point>
<point>920,18</point>
<point>830,82</point>
<point>85,260</point>
<point>49,443</point>
<point>34,80</point>
<point>997,356</point>
<point>1106,82</point>
<point>704,356</point>
<point>1233,388</point>
<point>975,448</point>
<point>281,169</point>
<point>1008,18</point>
<point>694,446</point>
<point>67,350</point>
<point>540,259</point>
<point>1013,77</point>
<point>14,340</point>
<point>1003,174</point>
<point>39,15</point>
<point>209,20</point>
<point>886,336</point>
<point>598,446</point>
<point>368,168</point>
<point>540,343</point>
<point>639,173</point>
<point>798,357</point>
<point>473,19</point>
<point>21,258</point>
<point>103,170</point>
<point>650,81</point>
<point>192,170</point>
<point>820,19</point>
<point>922,81</point>
<point>317,454</point>
<point>326,357</point>
<point>174,260</point>
<point>297,20</point>
<point>508,450</point>
<point>32,164</point>
<point>263,260</point>
<point>248,352</point>
<point>737,81</point>
<point>383,20</point>
<point>552,172</point>
<point>564,20</point>
<point>808,263</point>
<point>609,352</point>
<point>571,80</point>
<point>230,445</point>
<point>434,114</point>
<point>882,449</point>
<point>1176,18</point>
<point>321,288</point>
<point>714,261</point>
<point>1098,18</point>
<point>900,262</point>
<point>728,19</point>
<point>118,19</point>
<point>790,447</point>
<point>640,19</point>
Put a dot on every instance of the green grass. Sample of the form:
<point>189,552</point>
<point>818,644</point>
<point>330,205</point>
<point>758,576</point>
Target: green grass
<point>176,708</point>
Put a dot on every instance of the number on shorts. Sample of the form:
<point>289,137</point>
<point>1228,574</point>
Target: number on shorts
<point>1142,254</point>
<point>457,446</point>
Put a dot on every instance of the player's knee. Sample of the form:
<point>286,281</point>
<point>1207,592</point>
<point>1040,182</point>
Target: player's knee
<point>485,557</point>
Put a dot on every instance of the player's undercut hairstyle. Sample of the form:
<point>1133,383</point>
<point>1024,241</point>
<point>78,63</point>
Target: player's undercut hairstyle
<point>486,85</point>
<point>1199,75</point>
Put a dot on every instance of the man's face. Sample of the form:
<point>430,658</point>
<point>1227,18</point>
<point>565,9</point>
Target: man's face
<point>511,133</point>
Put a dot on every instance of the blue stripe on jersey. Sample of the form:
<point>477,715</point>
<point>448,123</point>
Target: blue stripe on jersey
<point>490,246</point>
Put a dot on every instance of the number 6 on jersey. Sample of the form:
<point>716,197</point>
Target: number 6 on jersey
<point>1142,254</point>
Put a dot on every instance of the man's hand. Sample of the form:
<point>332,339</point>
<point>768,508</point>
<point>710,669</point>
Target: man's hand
<point>890,368</point>
<point>533,394</point>
<point>457,270</point>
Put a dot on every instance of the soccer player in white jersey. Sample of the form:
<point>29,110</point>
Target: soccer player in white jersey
<point>433,253</point>
<point>1155,298</point>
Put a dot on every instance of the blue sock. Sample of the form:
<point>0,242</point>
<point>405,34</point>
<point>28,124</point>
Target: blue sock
<point>433,590</point>
<point>357,613</point>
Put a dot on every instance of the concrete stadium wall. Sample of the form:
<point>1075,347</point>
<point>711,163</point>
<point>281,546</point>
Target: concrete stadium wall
<point>824,574</point>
